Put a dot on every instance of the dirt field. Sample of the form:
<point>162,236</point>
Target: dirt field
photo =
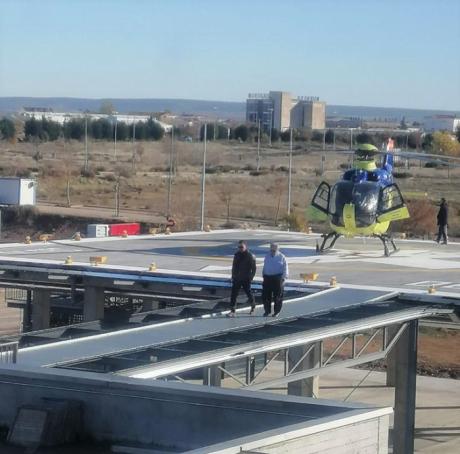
<point>231,185</point>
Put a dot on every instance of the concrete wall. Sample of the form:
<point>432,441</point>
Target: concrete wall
<point>314,115</point>
<point>362,434</point>
<point>124,410</point>
<point>282,105</point>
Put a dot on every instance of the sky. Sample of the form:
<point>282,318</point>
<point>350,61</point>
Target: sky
<point>385,53</point>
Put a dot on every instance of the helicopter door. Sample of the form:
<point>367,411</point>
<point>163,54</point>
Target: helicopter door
<point>392,206</point>
<point>321,198</point>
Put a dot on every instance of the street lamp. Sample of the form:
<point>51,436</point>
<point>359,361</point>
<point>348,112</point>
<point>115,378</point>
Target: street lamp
<point>203,176</point>
<point>270,126</point>
<point>290,173</point>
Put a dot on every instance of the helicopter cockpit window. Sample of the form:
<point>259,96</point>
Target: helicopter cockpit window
<point>341,194</point>
<point>366,200</point>
<point>364,196</point>
<point>391,199</point>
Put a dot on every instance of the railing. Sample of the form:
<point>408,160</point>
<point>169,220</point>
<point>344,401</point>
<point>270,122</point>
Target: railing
<point>8,352</point>
<point>15,294</point>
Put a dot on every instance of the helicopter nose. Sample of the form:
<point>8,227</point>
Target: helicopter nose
<point>349,217</point>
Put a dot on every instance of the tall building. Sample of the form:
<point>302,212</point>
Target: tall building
<point>280,110</point>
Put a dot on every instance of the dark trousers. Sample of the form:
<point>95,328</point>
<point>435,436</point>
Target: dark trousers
<point>272,290</point>
<point>236,286</point>
<point>442,233</point>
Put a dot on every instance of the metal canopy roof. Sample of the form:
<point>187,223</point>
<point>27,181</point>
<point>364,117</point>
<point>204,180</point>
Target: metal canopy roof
<point>184,329</point>
<point>176,357</point>
<point>165,348</point>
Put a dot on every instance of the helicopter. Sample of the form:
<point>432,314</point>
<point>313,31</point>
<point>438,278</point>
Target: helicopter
<point>365,200</point>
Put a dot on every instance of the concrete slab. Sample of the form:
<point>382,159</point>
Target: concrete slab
<point>355,261</point>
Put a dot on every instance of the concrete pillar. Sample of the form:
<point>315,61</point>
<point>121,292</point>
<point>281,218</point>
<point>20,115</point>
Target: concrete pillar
<point>212,376</point>
<point>93,303</point>
<point>308,387</point>
<point>40,309</point>
<point>405,390</point>
<point>391,357</point>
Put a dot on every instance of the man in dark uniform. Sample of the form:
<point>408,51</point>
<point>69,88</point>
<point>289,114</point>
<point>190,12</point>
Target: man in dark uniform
<point>442,221</point>
<point>243,272</point>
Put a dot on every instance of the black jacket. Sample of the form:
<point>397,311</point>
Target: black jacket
<point>442,214</point>
<point>244,266</point>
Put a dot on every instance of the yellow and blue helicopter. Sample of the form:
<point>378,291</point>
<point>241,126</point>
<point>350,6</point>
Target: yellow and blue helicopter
<point>366,200</point>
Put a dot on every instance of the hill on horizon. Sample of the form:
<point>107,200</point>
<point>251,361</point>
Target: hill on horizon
<point>214,109</point>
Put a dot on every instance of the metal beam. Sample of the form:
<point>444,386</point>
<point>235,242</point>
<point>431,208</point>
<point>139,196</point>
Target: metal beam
<point>405,391</point>
<point>317,371</point>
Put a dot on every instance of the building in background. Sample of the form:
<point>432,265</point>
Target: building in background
<point>280,110</point>
<point>63,117</point>
<point>448,123</point>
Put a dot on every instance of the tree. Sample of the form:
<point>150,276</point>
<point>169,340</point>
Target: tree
<point>7,129</point>
<point>226,195</point>
<point>107,107</point>
<point>31,128</point>
<point>122,130</point>
<point>427,142</point>
<point>364,137</point>
<point>413,140</point>
<point>241,132</point>
<point>445,143</point>
<point>403,124</point>
<point>329,138</point>
<point>154,131</point>
<point>275,135</point>
<point>285,136</point>
<point>458,133</point>
<point>74,129</point>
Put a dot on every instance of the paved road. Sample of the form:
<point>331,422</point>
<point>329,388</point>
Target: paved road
<point>354,261</point>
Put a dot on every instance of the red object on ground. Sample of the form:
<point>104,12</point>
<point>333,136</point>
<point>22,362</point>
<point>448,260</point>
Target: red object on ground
<point>121,229</point>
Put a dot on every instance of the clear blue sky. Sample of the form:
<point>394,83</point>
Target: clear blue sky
<point>358,52</point>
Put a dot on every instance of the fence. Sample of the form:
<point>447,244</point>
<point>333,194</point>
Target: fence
<point>8,352</point>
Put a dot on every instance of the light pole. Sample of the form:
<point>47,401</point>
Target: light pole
<point>115,140</point>
<point>203,176</point>
<point>86,143</point>
<point>171,154</point>
<point>134,144</point>
<point>289,174</point>
<point>258,145</point>
<point>270,127</point>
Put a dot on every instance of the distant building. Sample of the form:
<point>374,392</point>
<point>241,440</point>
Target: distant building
<point>63,117</point>
<point>280,110</point>
<point>448,123</point>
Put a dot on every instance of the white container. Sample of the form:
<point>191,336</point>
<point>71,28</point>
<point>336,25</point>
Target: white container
<point>17,191</point>
<point>97,230</point>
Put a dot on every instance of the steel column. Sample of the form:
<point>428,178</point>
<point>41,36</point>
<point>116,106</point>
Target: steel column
<point>309,358</point>
<point>405,390</point>
<point>40,309</point>
<point>93,303</point>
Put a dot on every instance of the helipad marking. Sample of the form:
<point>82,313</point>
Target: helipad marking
<point>425,283</point>
<point>454,286</point>
<point>216,268</point>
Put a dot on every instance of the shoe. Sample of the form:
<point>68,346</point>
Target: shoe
<point>266,314</point>
<point>231,314</point>
<point>253,308</point>
<point>276,314</point>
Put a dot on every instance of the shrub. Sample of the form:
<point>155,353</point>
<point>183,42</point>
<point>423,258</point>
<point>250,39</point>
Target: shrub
<point>402,175</point>
<point>87,173</point>
<point>422,219</point>
<point>296,222</point>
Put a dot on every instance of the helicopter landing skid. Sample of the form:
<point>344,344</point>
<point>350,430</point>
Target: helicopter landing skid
<point>386,239</point>
<point>326,237</point>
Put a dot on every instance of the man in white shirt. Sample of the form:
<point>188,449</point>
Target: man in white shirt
<point>275,272</point>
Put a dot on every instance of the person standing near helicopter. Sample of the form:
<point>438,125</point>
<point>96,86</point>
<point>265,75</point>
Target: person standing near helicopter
<point>442,219</point>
